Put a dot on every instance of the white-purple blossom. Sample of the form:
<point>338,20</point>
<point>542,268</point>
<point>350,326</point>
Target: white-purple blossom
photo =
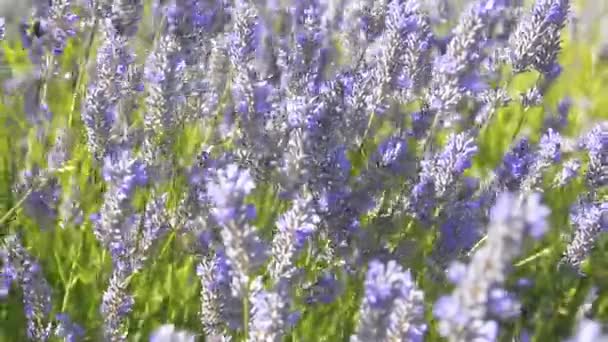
<point>245,250</point>
<point>392,308</point>
<point>467,313</point>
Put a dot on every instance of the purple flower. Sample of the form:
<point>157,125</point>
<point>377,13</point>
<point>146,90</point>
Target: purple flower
<point>515,165</point>
<point>37,301</point>
<point>536,41</point>
<point>587,331</point>
<point>469,312</point>
<point>596,144</point>
<point>392,307</point>
<point>270,312</point>
<point>392,154</point>
<point>295,227</point>
<point>227,190</point>
<point>456,272</point>
<point>383,283</point>
<point>534,214</point>
<point>503,304</point>
<point>167,332</point>
<point>587,221</point>
<point>67,329</point>
<point>125,172</point>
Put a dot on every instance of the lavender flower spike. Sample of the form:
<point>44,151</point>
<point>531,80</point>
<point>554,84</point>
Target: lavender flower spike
<point>588,331</point>
<point>116,304</point>
<point>36,290</point>
<point>220,309</point>
<point>393,308</point>
<point>244,249</point>
<point>465,315</point>
<point>168,333</point>
<point>270,315</point>
<point>536,41</point>
<point>294,228</point>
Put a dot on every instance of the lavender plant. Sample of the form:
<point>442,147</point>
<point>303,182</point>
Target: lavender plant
<point>393,170</point>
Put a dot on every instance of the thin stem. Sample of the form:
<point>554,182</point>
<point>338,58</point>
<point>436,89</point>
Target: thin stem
<point>17,205</point>
<point>477,245</point>
<point>72,279</point>
<point>81,73</point>
<point>533,257</point>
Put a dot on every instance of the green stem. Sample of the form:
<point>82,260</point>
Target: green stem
<point>531,258</point>
<point>82,64</point>
<point>72,279</point>
<point>478,245</point>
<point>17,205</point>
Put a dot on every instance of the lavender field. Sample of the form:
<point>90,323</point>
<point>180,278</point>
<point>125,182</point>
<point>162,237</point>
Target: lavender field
<point>304,170</point>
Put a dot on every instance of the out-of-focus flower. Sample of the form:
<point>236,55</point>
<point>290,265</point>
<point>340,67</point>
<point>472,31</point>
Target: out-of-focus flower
<point>392,307</point>
<point>168,333</point>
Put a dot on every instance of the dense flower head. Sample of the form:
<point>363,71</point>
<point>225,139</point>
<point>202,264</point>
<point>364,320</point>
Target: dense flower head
<point>271,314</point>
<point>596,144</point>
<point>472,310</point>
<point>124,172</point>
<point>37,301</point>
<point>536,41</point>
<point>384,282</point>
<point>168,333</point>
<point>245,250</point>
<point>392,307</point>
<point>67,329</point>
<point>392,154</point>
<point>227,192</point>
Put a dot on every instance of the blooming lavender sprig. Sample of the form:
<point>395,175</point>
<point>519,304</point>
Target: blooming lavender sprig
<point>536,41</point>
<point>587,331</point>
<point>36,290</point>
<point>398,61</point>
<point>116,228</point>
<point>41,204</point>
<point>392,309</point>
<point>155,226</point>
<point>114,77</point>
<point>295,227</point>
<point>570,170</point>
<point>258,125</point>
<point>116,304</point>
<point>549,153</point>
<point>588,214</point>
<point>596,144</point>
<point>116,224</point>
<point>220,308</point>
<point>168,333</point>
<point>586,218</point>
<point>441,172</point>
<point>55,22</point>
<point>67,329</point>
<point>7,273</point>
<point>164,74</point>
<point>245,250</point>
<point>466,314</point>
<point>99,110</point>
<point>193,211</point>
<point>271,316</point>
<point>453,71</point>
